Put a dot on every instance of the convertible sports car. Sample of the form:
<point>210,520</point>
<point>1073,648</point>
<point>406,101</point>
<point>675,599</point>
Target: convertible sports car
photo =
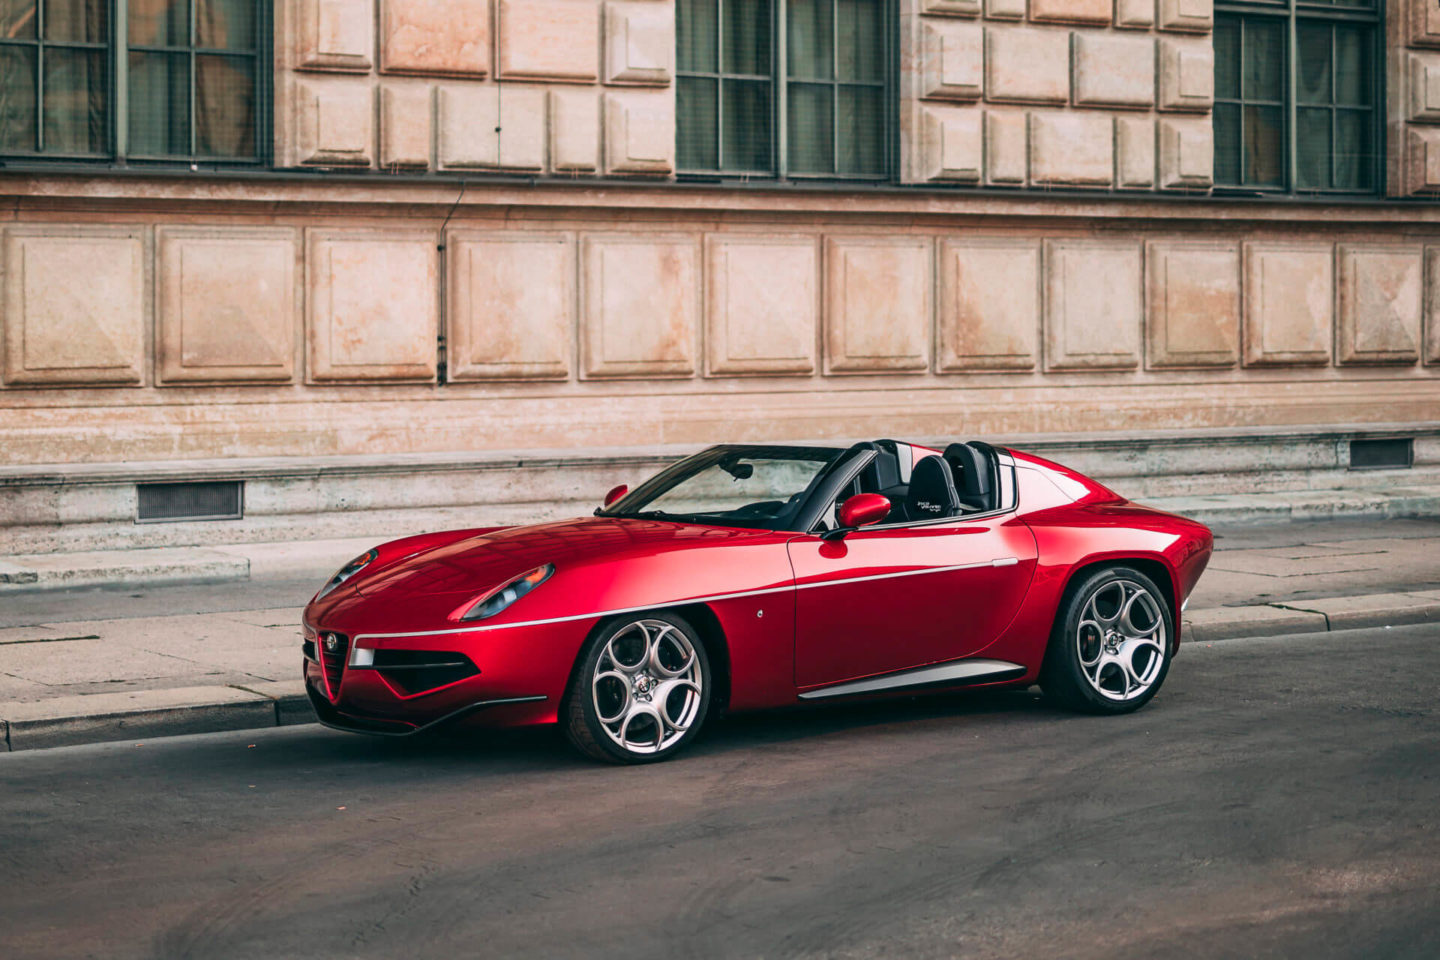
<point>753,576</point>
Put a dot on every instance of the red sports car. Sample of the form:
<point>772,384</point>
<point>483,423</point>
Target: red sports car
<point>757,576</point>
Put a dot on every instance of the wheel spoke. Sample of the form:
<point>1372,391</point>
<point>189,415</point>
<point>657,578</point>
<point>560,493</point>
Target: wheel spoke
<point>613,677</point>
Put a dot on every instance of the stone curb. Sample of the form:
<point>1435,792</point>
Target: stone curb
<point>156,565</point>
<point>96,718</point>
<point>1313,616</point>
<point>156,713</point>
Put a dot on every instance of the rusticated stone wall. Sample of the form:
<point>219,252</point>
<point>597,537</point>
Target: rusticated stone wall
<point>1058,93</point>
<point>307,318</point>
<point>521,86</point>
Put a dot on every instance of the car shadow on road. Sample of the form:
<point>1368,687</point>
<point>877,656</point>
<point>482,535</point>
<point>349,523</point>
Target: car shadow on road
<point>533,749</point>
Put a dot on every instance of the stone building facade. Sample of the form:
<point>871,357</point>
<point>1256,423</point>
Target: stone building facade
<point>465,228</point>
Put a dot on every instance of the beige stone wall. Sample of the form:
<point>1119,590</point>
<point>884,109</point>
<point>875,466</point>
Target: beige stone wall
<point>154,319</point>
<point>518,86</point>
<point>1057,93</point>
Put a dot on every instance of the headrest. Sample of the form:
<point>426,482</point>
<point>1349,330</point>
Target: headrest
<point>932,491</point>
<point>974,470</point>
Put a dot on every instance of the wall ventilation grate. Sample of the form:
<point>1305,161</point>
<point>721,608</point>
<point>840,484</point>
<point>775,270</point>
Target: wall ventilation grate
<point>208,500</point>
<point>1396,454</point>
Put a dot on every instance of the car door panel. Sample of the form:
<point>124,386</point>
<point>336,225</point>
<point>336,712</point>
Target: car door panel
<point>886,599</point>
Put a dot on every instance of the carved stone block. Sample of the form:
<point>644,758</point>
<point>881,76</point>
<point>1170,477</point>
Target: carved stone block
<point>953,144</point>
<point>405,136</point>
<point>1187,74</point>
<point>1187,153</point>
<point>511,310</point>
<point>435,37</point>
<point>1289,304</point>
<point>1075,148</point>
<point>1380,301</point>
<point>1092,305</point>
<point>227,304</point>
<point>1194,295</point>
<point>1134,152</point>
<point>1027,65</point>
<point>954,60</point>
<point>1070,11</point>
<point>1190,16</point>
<point>763,305</point>
<point>550,40</point>
<point>335,35</point>
<point>989,305</point>
<point>1424,81</point>
<point>879,304</point>
<point>639,305</point>
<point>639,133</point>
<point>334,123</point>
<point>372,304</point>
<point>75,303</point>
<point>1007,149</point>
<point>574,130</point>
<point>639,43</point>
<point>1114,70</point>
<point>1134,14</point>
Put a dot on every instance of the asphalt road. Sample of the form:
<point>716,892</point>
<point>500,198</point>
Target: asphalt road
<point>1280,798</point>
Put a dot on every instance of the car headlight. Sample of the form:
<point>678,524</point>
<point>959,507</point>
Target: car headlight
<point>489,604</point>
<point>347,571</point>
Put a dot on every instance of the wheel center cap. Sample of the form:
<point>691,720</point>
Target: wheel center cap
<point>643,686</point>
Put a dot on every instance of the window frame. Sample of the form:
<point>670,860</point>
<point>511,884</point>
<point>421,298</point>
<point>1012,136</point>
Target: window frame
<point>117,94</point>
<point>779,82</point>
<point>1290,13</point>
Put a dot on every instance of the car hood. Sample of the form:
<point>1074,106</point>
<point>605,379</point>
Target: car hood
<point>477,562</point>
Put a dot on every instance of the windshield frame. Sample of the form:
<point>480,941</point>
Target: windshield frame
<point>831,458</point>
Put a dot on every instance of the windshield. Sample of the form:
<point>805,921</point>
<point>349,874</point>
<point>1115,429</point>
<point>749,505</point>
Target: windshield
<point>761,487</point>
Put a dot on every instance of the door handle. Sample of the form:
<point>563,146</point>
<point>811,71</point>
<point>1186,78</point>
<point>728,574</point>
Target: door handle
<point>1005,562</point>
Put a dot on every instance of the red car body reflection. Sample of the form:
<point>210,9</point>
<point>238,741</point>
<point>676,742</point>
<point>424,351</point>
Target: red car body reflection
<point>787,616</point>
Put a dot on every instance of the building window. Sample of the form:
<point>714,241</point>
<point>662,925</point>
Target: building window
<point>817,71</point>
<point>1296,97</point>
<point>192,74</point>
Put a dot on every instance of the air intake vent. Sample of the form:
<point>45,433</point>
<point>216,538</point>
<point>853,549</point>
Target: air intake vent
<point>211,500</point>
<point>1382,454</point>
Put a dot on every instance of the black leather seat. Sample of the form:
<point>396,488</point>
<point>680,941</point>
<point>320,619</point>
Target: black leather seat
<point>932,491</point>
<point>972,469</point>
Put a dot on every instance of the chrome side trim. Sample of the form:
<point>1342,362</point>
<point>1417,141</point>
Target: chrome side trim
<point>958,671</point>
<point>484,628</point>
<point>1005,562</point>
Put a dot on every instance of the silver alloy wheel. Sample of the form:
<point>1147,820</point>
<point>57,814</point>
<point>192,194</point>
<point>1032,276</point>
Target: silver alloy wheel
<point>1121,640</point>
<point>647,686</point>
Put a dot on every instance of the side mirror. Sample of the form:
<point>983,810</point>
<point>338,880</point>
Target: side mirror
<point>616,493</point>
<point>863,509</point>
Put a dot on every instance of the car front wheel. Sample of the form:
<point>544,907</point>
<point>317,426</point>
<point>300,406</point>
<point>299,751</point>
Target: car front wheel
<point>1110,649</point>
<point>641,692</point>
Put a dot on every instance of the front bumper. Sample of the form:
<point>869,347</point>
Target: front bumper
<point>326,713</point>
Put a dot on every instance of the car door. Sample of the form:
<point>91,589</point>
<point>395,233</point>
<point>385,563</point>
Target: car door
<point>890,598</point>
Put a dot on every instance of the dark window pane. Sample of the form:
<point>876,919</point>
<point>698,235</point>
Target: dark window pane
<point>810,39</point>
<point>1264,65</point>
<point>75,85</point>
<point>17,20</point>
<point>746,125</point>
<point>1354,153</point>
<point>1227,58</point>
<point>225,24</point>
<point>159,23</point>
<point>1312,149</point>
<point>1264,156</point>
<point>1353,72</point>
<point>696,35</point>
<point>81,21</point>
<point>159,104</point>
<point>17,99</point>
<point>697,122</point>
<point>810,134</point>
<point>1313,55</point>
<point>224,106</point>
<point>859,41</point>
<point>1227,143</point>
<point>860,125</point>
<point>747,36</point>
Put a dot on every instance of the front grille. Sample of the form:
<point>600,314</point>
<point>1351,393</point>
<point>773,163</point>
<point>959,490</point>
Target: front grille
<point>415,671</point>
<point>332,657</point>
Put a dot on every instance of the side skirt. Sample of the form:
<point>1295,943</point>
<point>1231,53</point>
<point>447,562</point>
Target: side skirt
<point>944,674</point>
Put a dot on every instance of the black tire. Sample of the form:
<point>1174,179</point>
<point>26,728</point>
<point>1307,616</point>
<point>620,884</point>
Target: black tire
<point>584,725</point>
<point>1065,677</point>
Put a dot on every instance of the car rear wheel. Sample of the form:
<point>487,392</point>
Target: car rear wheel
<point>1110,648</point>
<point>641,692</point>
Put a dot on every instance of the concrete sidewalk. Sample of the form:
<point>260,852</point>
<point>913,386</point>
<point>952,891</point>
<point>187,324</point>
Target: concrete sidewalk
<point>102,664</point>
